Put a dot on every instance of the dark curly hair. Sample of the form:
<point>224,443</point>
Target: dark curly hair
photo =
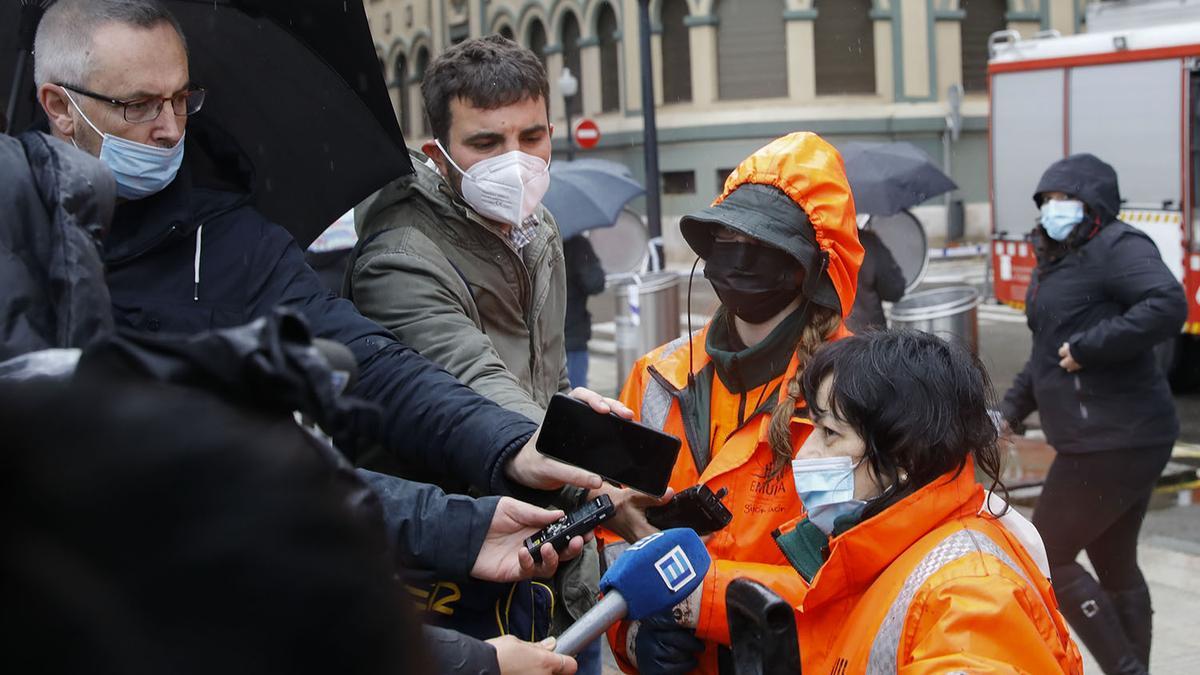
<point>919,403</point>
<point>489,72</point>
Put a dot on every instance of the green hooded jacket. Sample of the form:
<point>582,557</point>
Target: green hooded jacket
<point>449,284</point>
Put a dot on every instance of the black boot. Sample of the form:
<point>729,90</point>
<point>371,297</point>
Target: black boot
<point>1095,622</point>
<point>1133,607</point>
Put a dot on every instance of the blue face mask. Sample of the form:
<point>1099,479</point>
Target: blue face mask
<point>825,486</point>
<point>1059,218</point>
<point>140,170</point>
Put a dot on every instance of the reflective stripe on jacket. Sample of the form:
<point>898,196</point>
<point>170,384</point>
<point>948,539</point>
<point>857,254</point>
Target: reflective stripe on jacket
<point>931,585</point>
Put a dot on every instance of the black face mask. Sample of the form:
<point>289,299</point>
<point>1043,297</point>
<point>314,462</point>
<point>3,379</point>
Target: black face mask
<point>754,282</point>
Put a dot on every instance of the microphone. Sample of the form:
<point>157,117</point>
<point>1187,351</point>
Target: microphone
<point>762,630</point>
<point>652,576</point>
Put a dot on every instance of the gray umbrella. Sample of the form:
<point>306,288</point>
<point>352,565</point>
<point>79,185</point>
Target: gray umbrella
<point>887,178</point>
<point>589,193</point>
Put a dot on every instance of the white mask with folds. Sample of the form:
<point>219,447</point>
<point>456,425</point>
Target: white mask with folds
<point>505,188</point>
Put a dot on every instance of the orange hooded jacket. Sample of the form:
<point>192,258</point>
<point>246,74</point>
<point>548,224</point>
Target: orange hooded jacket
<point>809,171</point>
<point>932,584</point>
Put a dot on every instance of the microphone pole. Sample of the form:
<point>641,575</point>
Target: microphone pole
<point>611,609</point>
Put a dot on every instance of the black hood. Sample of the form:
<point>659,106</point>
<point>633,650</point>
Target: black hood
<point>1087,177</point>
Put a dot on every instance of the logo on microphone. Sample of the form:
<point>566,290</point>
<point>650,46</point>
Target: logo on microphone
<point>675,569</point>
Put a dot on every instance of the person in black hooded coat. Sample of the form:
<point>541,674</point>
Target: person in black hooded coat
<point>1099,301</point>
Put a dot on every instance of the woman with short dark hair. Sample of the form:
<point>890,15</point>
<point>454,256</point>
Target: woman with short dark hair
<point>909,565</point>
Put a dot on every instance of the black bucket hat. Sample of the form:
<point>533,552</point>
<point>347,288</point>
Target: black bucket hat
<point>766,214</point>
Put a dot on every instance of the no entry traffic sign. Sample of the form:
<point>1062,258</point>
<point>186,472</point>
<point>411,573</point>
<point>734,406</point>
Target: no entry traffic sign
<point>587,134</point>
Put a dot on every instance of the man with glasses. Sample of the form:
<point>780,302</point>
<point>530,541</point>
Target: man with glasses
<point>185,255</point>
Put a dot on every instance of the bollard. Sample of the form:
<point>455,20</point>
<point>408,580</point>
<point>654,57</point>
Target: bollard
<point>647,315</point>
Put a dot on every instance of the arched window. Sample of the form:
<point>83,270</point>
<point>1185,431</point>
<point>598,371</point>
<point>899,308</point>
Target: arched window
<point>676,53</point>
<point>751,49</point>
<point>610,82</point>
<point>421,125</point>
<point>844,47</point>
<point>400,84</point>
<point>537,39</point>
<point>570,46</point>
<point>506,31</point>
<point>983,17</point>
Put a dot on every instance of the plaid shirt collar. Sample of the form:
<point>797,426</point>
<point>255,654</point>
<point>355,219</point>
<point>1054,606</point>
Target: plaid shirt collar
<point>521,235</point>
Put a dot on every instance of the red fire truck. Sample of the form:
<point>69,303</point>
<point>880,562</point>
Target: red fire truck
<point>1132,98</point>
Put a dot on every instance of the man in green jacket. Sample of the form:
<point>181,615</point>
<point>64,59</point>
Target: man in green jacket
<point>467,268</point>
<point>462,263</point>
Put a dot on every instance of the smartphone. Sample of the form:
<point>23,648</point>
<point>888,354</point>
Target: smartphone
<point>621,451</point>
<point>575,524</point>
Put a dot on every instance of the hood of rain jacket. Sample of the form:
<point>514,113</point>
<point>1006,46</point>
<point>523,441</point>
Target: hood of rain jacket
<point>792,194</point>
<point>1087,177</point>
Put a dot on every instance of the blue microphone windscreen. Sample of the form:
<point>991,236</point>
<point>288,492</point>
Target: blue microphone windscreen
<point>658,572</point>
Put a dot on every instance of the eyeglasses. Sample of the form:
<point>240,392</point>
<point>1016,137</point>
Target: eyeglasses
<point>140,110</point>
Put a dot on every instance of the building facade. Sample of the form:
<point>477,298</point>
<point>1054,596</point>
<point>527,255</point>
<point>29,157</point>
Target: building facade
<point>729,75</point>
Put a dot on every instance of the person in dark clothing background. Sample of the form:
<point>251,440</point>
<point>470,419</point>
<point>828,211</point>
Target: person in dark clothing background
<point>585,277</point>
<point>879,279</point>
<point>1099,301</point>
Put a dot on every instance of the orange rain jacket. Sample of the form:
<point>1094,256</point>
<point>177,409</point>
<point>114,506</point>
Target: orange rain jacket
<point>808,170</point>
<point>931,585</point>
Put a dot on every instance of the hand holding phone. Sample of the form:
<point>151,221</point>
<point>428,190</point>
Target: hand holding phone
<point>575,524</point>
<point>622,451</point>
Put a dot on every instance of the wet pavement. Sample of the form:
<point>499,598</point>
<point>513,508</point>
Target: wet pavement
<point>1169,549</point>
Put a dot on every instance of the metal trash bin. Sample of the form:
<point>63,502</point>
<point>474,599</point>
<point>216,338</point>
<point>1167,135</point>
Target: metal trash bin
<point>949,313</point>
<point>647,315</point>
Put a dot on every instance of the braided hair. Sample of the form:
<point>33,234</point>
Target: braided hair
<point>820,327</point>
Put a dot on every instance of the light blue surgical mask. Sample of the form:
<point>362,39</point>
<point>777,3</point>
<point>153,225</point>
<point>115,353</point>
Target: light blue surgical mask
<point>140,170</point>
<point>825,486</point>
<point>1059,217</point>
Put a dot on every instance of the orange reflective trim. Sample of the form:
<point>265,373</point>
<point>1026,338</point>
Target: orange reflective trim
<point>1126,56</point>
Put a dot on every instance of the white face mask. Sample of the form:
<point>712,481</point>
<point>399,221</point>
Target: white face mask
<point>505,188</point>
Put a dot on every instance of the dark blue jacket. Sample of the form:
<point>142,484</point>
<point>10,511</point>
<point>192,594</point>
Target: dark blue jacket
<point>1107,292</point>
<point>193,258</point>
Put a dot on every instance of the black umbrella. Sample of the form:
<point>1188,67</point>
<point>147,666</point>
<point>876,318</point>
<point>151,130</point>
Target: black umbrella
<point>297,85</point>
<point>19,19</point>
<point>887,178</point>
